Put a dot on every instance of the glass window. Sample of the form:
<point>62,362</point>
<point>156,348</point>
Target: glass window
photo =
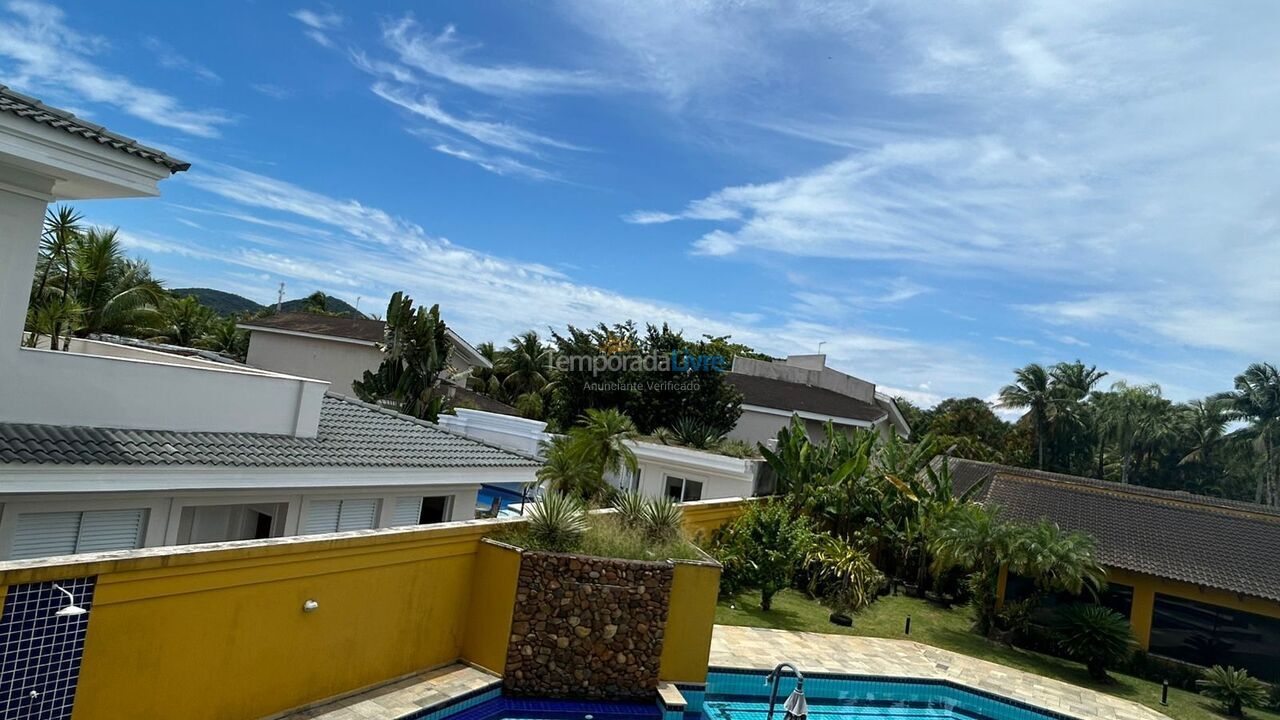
<point>675,488</point>
<point>1204,634</point>
<point>692,490</point>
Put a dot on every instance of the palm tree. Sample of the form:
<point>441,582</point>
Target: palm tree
<point>1075,379</point>
<point>1136,418</point>
<point>1031,390</point>
<point>61,231</point>
<point>526,363</point>
<point>976,539</point>
<point>564,473</point>
<point>184,322</point>
<point>601,441</point>
<point>118,294</point>
<point>1256,400</point>
<point>1204,423</point>
<point>1059,561</point>
<point>487,380</point>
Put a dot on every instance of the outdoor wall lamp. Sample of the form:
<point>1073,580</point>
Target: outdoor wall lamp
<point>310,606</point>
<point>71,610</point>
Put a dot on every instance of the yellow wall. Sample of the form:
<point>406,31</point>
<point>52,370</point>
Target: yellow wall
<point>703,517</point>
<point>1145,588</point>
<point>218,633</point>
<point>493,596</point>
<point>686,643</point>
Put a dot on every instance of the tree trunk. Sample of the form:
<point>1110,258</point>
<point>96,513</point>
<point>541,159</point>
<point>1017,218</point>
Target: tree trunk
<point>1102,453</point>
<point>766,598</point>
<point>1124,466</point>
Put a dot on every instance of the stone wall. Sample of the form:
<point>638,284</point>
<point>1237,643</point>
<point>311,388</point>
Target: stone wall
<point>587,627</point>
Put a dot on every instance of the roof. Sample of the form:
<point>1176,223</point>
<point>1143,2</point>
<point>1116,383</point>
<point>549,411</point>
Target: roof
<point>795,397</point>
<point>1221,544</point>
<point>365,330</point>
<point>351,434</point>
<point>36,111</point>
<point>463,397</point>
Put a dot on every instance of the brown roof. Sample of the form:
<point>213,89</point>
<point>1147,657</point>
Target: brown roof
<point>1221,544</point>
<point>352,328</point>
<point>464,397</point>
<point>796,397</point>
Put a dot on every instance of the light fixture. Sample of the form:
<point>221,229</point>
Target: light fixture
<point>71,610</point>
<point>310,606</point>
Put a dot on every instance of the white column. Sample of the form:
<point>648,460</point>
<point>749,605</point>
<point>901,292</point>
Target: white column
<point>23,199</point>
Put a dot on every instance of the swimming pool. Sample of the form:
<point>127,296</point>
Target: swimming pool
<point>733,694</point>
<point>744,695</point>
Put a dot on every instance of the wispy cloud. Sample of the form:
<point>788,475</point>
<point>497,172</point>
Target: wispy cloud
<point>319,23</point>
<point>275,92</point>
<point>496,164</point>
<point>440,55</point>
<point>171,59</point>
<point>497,134</point>
<point>43,54</point>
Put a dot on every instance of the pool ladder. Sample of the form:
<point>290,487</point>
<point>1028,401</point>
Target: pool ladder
<point>795,706</point>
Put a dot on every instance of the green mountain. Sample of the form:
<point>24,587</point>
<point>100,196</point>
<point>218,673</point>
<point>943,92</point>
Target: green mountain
<point>225,303</point>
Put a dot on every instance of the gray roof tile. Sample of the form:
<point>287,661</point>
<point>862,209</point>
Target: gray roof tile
<point>351,434</point>
<point>28,107</point>
<point>1221,544</point>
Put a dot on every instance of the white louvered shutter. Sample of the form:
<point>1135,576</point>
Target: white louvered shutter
<point>102,530</point>
<point>322,517</point>
<point>408,511</point>
<point>66,533</point>
<point>45,534</point>
<point>358,514</point>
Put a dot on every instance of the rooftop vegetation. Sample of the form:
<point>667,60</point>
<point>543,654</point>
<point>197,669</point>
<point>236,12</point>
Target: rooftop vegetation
<point>637,529</point>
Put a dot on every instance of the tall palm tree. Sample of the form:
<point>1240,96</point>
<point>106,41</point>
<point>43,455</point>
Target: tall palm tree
<point>487,380</point>
<point>1031,390</point>
<point>118,294</point>
<point>1076,379</point>
<point>1256,400</point>
<point>601,441</point>
<point>62,229</point>
<point>1136,418</point>
<point>1204,423</point>
<point>526,365</point>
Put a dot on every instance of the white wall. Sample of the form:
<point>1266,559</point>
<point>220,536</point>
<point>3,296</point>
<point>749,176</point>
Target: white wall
<point>338,363</point>
<point>721,476</point>
<point>513,433</point>
<point>165,510</point>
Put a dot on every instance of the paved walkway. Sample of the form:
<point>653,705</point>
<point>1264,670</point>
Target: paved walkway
<point>402,697</point>
<point>742,647</point>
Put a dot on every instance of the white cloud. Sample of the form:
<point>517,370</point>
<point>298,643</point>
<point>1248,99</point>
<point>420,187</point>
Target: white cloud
<point>496,164</point>
<point>43,54</point>
<point>273,91</point>
<point>441,56</point>
<point>171,59</point>
<point>1113,160</point>
<point>371,253</point>
<point>497,134</point>
<point>319,24</point>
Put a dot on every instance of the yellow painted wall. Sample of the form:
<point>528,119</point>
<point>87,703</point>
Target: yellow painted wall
<point>1145,588</point>
<point>493,596</point>
<point>686,644</point>
<point>702,518</point>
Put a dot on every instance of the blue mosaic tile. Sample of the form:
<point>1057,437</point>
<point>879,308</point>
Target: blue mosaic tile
<point>40,652</point>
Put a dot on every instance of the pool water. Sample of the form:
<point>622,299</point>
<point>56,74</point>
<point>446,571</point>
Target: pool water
<point>740,695</point>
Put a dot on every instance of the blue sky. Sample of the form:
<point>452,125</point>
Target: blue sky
<point>936,192</point>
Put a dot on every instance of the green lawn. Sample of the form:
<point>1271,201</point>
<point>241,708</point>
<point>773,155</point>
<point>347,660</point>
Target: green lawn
<point>949,629</point>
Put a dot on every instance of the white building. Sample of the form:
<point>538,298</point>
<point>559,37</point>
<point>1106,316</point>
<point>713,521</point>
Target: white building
<point>107,447</point>
<point>803,385</point>
<point>337,350</point>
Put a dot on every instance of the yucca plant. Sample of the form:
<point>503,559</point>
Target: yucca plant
<point>843,572</point>
<point>695,434</point>
<point>557,523</point>
<point>663,519</point>
<point>1233,688</point>
<point>632,508</point>
<point>1096,636</point>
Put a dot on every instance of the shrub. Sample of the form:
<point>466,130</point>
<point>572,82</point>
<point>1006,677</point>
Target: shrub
<point>694,433</point>
<point>1233,689</point>
<point>762,548</point>
<point>662,519</point>
<point>1096,636</point>
<point>557,523</point>
<point>631,507</point>
<point>842,573</point>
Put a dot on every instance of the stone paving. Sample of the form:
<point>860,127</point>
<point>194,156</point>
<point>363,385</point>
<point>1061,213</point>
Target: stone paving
<point>402,697</point>
<point>742,647</point>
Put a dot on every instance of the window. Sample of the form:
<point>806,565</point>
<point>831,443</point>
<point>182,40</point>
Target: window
<point>338,515</point>
<point>682,490</point>
<point>1204,634</point>
<point>67,533</point>
<point>420,510</point>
